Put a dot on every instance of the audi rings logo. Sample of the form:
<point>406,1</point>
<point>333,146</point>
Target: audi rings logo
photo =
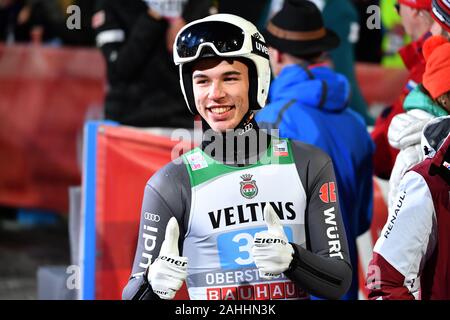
<point>152,217</point>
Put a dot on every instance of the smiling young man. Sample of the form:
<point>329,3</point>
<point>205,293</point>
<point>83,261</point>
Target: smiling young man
<point>221,92</point>
<point>257,220</point>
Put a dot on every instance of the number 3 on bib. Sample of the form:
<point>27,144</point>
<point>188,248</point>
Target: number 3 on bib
<point>235,247</point>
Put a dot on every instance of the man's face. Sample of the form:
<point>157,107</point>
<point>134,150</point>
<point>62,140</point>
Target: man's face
<point>221,92</point>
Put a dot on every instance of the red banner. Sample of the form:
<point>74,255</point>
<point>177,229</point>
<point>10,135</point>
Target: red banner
<point>46,94</point>
<point>380,85</point>
<point>126,159</point>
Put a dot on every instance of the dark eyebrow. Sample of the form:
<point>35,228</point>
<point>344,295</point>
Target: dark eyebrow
<point>232,73</point>
<point>225,74</point>
<point>199,75</point>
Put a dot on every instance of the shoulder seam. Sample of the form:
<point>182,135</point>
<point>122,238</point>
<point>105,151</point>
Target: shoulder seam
<point>322,169</point>
<point>161,197</point>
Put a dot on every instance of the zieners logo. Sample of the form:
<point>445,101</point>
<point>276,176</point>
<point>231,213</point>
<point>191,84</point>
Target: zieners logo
<point>249,189</point>
<point>269,241</point>
<point>173,261</point>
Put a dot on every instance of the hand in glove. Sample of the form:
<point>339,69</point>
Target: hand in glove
<point>271,250</point>
<point>406,130</point>
<point>167,273</point>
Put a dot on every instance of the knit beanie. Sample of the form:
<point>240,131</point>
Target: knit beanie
<point>440,11</point>
<point>436,78</point>
<point>417,4</point>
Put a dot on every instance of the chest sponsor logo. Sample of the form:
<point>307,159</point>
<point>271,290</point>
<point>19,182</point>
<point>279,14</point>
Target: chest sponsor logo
<point>249,190</point>
<point>249,212</point>
<point>280,149</point>
<point>196,161</point>
<point>328,192</point>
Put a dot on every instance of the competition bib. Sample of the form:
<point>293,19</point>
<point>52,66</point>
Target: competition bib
<point>227,210</point>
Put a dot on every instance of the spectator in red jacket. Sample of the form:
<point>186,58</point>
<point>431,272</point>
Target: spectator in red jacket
<point>417,21</point>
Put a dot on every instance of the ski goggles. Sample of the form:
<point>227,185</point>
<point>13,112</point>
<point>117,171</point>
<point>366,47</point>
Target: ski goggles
<point>224,38</point>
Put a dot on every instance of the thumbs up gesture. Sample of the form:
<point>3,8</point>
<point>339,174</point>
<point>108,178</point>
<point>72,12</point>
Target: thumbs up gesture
<point>167,273</point>
<point>271,249</point>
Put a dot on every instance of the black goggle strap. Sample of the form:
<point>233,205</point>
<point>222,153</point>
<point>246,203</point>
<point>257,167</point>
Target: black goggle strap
<point>259,48</point>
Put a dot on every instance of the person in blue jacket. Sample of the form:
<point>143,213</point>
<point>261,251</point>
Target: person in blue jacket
<point>309,103</point>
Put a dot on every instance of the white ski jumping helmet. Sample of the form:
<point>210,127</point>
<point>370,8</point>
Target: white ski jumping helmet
<point>223,35</point>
